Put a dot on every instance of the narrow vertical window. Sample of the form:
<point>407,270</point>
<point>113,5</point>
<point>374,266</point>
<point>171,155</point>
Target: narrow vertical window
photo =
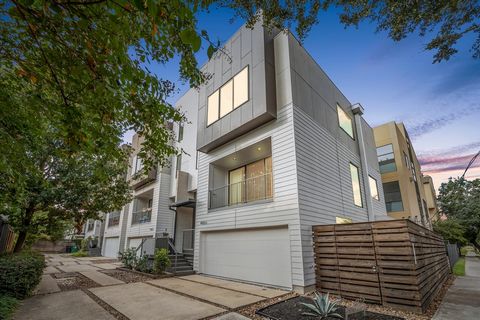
<point>357,194</point>
<point>373,188</point>
<point>226,98</point>
<point>180,133</point>
<point>344,121</point>
<point>240,82</point>
<point>212,112</point>
<point>386,159</point>
<point>178,166</point>
<point>393,196</point>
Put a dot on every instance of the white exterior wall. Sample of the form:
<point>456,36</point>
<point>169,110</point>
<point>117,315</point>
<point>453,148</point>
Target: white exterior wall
<point>95,232</point>
<point>283,210</point>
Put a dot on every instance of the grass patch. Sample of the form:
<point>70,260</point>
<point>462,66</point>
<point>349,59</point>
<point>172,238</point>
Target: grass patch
<point>80,254</point>
<point>459,267</point>
<point>7,306</point>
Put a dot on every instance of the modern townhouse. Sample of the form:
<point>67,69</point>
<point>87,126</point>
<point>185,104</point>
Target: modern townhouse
<point>402,178</point>
<point>280,149</point>
<point>431,198</point>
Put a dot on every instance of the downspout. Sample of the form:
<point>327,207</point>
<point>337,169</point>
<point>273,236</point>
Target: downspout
<point>357,110</point>
<point>174,222</point>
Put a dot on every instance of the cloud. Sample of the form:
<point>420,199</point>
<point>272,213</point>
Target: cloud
<point>455,158</point>
<point>428,126</point>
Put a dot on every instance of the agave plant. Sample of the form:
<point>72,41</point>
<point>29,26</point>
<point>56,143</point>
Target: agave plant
<point>322,307</point>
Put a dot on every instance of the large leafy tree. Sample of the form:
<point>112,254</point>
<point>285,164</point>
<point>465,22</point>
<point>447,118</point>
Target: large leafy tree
<point>75,78</point>
<point>459,200</point>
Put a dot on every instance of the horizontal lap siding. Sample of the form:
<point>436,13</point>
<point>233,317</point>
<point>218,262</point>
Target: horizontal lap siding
<point>281,211</point>
<point>324,182</point>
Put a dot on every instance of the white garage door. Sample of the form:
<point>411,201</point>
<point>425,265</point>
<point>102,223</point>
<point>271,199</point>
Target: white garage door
<point>111,247</point>
<point>261,256</point>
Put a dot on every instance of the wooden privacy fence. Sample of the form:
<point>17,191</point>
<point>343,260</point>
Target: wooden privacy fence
<point>7,237</point>
<point>396,263</point>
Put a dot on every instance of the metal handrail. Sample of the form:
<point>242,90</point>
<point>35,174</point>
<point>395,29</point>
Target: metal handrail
<point>243,181</point>
<point>172,246</point>
<point>141,246</point>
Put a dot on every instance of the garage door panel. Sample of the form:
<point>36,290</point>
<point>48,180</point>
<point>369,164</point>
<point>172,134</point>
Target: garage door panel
<point>261,256</point>
<point>111,247</point>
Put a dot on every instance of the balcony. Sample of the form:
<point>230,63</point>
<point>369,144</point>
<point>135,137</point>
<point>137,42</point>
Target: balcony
<point>246,191</point>
<point>142,216</point>
<point>140,179</point>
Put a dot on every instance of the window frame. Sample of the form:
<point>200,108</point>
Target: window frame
<point>180,133</point>
<point>397,182</point>
<point>383,154</point>
<point>376,187</point>
<point>219,90</point>
<point>359,185</point>
<point>351,122</point>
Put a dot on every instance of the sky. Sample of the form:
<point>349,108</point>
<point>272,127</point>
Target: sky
<point>394,81</point>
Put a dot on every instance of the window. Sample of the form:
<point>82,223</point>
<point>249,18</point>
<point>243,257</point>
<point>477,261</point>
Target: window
<point>386,159</point>
<point>393,196</point>
<point>90,226</point>
<point>357,194</point>
<point>113,219</point>
<point>373,188</point>
<point>407,162</point>
<point>251,182</point>
<point>137,164</point>
<point>178,165</point>
<point>344,121</point>
<point>180,133</point>
<point>231,95</point>
<point>340,220</point>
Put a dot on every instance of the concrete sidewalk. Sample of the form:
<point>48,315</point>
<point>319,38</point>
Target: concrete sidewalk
<point>462,301</point>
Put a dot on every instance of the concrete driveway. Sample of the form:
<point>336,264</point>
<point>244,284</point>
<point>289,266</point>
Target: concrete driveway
<point>186,298</point>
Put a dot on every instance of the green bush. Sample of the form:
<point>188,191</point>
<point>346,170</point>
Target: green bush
<point>129,258</point>
<point>141,264</point>
<point>161,261</point>
<point>7,306</point>
<point>459,267</point>
<point>20,273</point>
<point>80,253</point>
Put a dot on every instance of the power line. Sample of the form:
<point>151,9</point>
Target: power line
<point>470,163</point>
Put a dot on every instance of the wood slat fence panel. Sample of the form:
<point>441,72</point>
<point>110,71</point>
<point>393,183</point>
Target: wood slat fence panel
<point>395,263</point>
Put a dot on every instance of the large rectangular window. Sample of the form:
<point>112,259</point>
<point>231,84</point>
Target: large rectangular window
<point>231,95</point>
<point>393,196</point>
<point>113,219</point>
<point>251,182</point>
<point>344,121</point>
<point>386,159</point>
<point>373,188</point>
<point>357,193</point>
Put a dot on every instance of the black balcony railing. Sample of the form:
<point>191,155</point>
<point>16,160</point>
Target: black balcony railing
<point>249,190</point>
<point>142,216</point>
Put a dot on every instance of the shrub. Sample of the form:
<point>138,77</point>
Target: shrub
<point>161,261</point>
<point>7,306</point>
<point>141,264</point>
<point>129,258</point>
<point>20,273</point>
<point>322,307</point>
<point>80,253</point>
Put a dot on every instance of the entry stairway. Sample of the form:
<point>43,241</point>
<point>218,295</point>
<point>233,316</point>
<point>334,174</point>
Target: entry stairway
<point>182,263</point>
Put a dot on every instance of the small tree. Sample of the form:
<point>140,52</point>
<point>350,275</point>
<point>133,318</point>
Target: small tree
<point>450,230</point>
<point>161,261</point>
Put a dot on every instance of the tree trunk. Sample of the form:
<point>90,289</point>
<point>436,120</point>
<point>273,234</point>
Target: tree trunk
<point>22,235</point>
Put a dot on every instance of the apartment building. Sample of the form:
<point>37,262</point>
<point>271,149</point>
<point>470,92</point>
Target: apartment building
<point>431,198</point>
<point>280,149</point>
<point>402,179</point>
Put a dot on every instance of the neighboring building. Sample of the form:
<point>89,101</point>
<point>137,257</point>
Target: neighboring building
<point>91,229</point>
<point>401,174</point>
<point>281,149</point>
<point>431,197</point>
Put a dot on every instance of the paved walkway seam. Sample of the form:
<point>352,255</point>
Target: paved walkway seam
<point>117,314</point>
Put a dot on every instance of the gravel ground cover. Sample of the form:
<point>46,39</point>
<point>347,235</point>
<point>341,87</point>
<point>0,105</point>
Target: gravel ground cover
<point>291,309</point>
<point>126,276</point>
<point>72,281</point>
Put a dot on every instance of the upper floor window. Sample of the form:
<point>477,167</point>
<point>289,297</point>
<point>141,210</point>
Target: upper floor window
<point>230,96</point>
<point>180,133</point>
<point>178,166</point>
<point>373,188</point>
<point>357,193</point>
<point>386,159</point>
<point>113,219</point>
<point>407,161</point>
<point>393,196</point>
<point>344,121</point>
<point>91,224</point>
<point>137,164</point>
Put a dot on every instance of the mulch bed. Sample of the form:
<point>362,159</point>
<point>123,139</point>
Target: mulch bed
<point>72,281</point>
<point>126,276</point>
<point>291,309</point>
